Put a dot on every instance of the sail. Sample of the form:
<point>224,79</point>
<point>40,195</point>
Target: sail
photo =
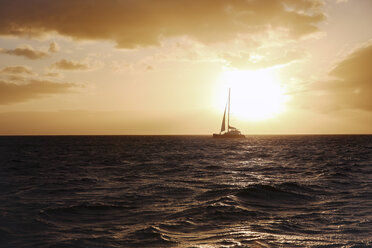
<point>223,121</point>
<point>231,127</point>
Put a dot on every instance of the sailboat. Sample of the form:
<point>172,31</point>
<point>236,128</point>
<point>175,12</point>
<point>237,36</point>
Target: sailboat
<point>231,132</point>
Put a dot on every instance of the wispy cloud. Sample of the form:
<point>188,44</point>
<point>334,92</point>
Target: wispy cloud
<point>11,93</point>
<point>250,62</point>
<point>70,65</point>
<point>52,74</point>
<point>20,69</point>
<point>29,52</point>
<point>25,51</point>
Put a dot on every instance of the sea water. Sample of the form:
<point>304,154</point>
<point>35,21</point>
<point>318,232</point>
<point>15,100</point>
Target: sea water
<point>186,191</point>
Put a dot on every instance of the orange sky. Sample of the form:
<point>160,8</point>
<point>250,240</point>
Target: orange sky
<point>164,67</point>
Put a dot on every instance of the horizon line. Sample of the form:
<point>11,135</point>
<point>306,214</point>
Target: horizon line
<point>295,134</point>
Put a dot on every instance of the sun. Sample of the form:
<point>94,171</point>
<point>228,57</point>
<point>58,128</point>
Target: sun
<point>255,95</point>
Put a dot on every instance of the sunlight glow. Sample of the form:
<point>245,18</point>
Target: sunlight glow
<point>255,95</point>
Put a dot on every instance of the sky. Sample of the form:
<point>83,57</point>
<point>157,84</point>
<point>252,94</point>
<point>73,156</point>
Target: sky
<point>126,67</point>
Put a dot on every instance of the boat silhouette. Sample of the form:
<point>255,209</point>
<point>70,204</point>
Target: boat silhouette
<point>231,131</point>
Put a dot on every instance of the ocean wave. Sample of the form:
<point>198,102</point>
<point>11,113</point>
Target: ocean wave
<point>149,237</point>
<point>182,226</point>
<point>217,212</point>
<point>83,209</point>
<point>281,194</point>
<point>166,191</point>
<point>217,193</point>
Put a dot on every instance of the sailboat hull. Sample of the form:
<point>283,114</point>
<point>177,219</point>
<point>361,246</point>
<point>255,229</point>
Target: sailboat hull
<point>228,136</point>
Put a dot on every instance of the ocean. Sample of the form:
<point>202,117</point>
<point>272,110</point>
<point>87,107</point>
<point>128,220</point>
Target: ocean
<point>186,191</point>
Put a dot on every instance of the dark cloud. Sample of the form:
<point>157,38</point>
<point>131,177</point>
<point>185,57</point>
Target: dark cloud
<point>11,93</point>
<point>244,60</point>
<point>69,65</point>
<point>20,69</point>
<point>351,86</point>
<point>133,23</point>
<point>25,51</point>
<point>355,68</point>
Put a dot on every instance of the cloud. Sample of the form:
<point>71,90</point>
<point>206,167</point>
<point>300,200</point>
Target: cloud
<point>69,65</point>
<point>17,74</point>
<point>246,61</point>
<point>146,22</point>
<point>53,47</point>
<point>355,69</point>
<point>52,74</point>
<point>11,93</point>
<point>350,86</point>
<point>20,69</point>
<point>25,51</point>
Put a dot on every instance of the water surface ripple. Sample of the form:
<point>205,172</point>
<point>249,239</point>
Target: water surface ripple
<point>186,191</point>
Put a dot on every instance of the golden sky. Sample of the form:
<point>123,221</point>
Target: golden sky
<point>165,66</point>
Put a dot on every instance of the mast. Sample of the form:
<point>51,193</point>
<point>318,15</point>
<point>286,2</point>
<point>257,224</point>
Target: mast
<point>228,115</point>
